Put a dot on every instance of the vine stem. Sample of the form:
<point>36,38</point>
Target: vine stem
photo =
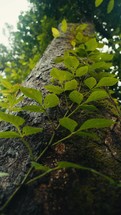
<point>26,144</point>
<point>17,189</point>
<point>42,175</point>
<point>26,176</point>
<point>38,177</point>
<point>42,153</point>
<point>63,139</point>
<point>29,148</point>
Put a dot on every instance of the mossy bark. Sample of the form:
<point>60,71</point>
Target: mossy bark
<point>64,191</point>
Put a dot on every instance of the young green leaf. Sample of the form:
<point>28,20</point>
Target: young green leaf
<point>100,65</point>
<point>4,104</point>
<point>96,123</point>
<point>98,3</point>
<point>32,93</point>
<point>107,81</point>
<point>55,32</point>
<point>79,36</point>
<point>64,26</point>
<point>68,123</point>
<point>40,167</point>
<point>81,71</point>
<point>15,120</point>
<point>76,97</point>
<point>61,75</point>
<point>6,84</point>
<point>9,134</point>
<point>71,85</point>
<point>51,100</point>
<point>105,57</point>
<point>3,174</point>
<point>90,82</point>
<point>71,62</point>
<point>110,6</point>
<point>54,89</point>
<point>91,45</point>
<point>33,108</point>
<point>29,130</point>
<point>97,95</point>
<point>13,100</point>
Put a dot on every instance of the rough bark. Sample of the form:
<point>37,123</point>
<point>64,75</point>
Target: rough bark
<point>63,191</point>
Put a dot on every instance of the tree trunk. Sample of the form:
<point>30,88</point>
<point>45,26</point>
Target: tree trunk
<point>64,191</point>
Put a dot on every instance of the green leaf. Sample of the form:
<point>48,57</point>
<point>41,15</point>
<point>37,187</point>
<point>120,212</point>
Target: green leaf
<point>6,84</point>
<point>4,104</point>
<point>61,75</point>
<point>110,6</point>
<point>9,134</point>
<point>64,26</point>
<point>51,100</point>
<point>79,36</point>
<point>32,93</point>
<point>40,167</point>
<point>81,71</point>
<point>91,135</point>
<point>15,120</point>
<point>68,123</point>
<point>71,62</point>
<point>13,100</point>
<point>91,45</point>
<point>107,81</point>
<point>3,174</point>
<point>98,3</point>
<point>55,32</point>
<point>29,130</point>
<point>97,95</point>
<point>88,107</point>
<point>90,82</point>
<point>33,108</point>
<point>76,97</point>
<point>106,56</point>
<point>54,89</point>
<point>96,123</point>
<point>100,65</point>
<point>65,164</point>
<point>71,85</point>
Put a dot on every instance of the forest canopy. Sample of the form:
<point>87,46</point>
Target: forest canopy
<point>33,33</point>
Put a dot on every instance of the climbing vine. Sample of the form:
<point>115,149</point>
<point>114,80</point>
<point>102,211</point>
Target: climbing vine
<point>83,83</point>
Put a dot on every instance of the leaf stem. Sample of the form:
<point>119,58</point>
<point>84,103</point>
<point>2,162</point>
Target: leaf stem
<point>63,139</point>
